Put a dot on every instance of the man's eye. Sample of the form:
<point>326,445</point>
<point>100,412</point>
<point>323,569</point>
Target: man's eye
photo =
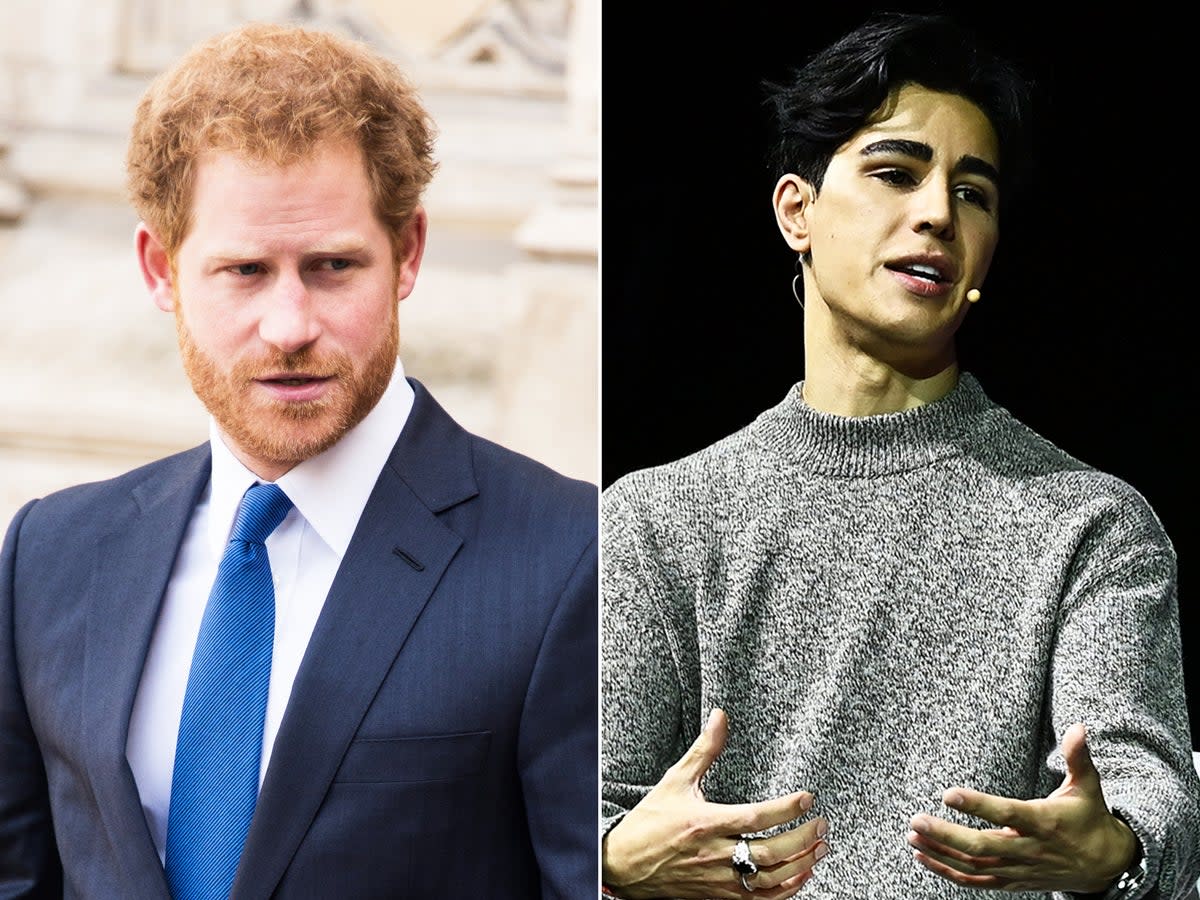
<point>895,177</point>
<point>338,264</point>
<point>248,268</point>
<point>973,196</point>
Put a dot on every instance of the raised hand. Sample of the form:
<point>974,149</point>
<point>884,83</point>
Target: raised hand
<point>675,843</point>
<point>1068,841</point>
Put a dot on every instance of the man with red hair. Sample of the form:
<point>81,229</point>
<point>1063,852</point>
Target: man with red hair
<point>345,648</point>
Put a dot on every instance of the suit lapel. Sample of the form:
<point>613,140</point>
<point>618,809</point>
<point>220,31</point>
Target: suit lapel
<point>392,566</point>
<point>134,562</point>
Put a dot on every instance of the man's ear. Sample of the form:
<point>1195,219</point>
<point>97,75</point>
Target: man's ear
<point>793,198</point>
<point>156,267</point>
<point>409,262</point>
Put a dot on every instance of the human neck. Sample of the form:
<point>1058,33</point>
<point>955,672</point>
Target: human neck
<point>847,379</point>
<point>870,391</point>
<point>265,469</point>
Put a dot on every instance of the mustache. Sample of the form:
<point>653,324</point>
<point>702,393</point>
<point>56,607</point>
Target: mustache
<point>304,361</point>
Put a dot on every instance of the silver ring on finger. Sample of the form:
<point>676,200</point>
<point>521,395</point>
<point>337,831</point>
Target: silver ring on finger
<point>743,863</point>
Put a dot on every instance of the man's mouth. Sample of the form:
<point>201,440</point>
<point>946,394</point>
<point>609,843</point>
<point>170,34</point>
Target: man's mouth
<point>923,271</point>
<point>292,387</point>
<point>292,380</point>
<point>917,270</point>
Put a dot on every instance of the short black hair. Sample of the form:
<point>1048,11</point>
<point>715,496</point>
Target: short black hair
<point>830,98</point>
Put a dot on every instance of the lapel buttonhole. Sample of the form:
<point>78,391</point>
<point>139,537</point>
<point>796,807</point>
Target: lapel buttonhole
<point>408,559</point>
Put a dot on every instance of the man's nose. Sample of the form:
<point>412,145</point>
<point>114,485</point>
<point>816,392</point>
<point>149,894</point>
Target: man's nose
<point>933,209</point>
<point>289,318</point>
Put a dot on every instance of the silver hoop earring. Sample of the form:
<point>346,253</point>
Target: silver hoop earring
<point>795,293</point>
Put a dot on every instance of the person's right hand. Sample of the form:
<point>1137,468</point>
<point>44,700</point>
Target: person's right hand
<point>675,843</point>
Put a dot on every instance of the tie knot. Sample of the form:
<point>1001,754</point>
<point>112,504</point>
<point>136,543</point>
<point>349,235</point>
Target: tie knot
<point>263,507</point>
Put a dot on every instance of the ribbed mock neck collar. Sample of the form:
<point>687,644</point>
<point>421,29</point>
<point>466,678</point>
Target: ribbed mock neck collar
<point>865,446</point>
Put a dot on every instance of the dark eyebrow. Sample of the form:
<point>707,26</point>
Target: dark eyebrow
<point>972,165</point>
<point>915,149</point>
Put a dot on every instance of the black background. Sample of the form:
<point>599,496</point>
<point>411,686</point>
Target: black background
<point>1084,328</point>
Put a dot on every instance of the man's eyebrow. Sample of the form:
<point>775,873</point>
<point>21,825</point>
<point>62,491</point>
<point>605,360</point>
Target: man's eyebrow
<point>915,149</point>
<point>972,165</point>
<point>349,246</point>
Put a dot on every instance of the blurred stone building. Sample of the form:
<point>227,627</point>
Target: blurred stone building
<point>502,326</point>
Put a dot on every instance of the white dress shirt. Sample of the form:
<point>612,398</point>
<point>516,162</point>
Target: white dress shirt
<point>328,493</point>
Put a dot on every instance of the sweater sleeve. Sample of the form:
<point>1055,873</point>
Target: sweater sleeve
<point>1117,667</point>
<point>644,689</point>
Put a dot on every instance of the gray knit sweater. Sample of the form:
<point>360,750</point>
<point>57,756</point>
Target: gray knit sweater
<point>888,606</point>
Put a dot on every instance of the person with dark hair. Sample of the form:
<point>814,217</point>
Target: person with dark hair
<point>887,641</point>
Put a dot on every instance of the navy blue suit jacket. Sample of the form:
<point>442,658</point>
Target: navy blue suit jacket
<point>441,736</point>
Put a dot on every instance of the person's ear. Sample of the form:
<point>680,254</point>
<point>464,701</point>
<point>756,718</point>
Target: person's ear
<point>409,261</point>
<point>155,264</point>
<point>793,199</point>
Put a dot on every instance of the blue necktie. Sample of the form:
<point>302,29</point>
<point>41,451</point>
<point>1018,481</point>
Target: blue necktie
<point>217,755</point>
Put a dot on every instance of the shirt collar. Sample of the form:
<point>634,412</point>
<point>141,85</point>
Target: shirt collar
<point>330,490</point>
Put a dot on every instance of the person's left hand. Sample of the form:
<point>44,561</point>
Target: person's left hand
<point>1068,841</point>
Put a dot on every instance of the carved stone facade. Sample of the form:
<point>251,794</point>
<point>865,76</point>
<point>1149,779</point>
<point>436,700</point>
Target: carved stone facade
<point>503,324</point>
